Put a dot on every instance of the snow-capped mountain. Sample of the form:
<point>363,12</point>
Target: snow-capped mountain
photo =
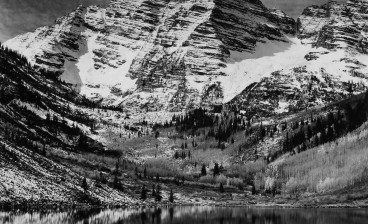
<point>336,26</point>
<point>174,55</point>
<point>325,63</point>
<point>155,55</point>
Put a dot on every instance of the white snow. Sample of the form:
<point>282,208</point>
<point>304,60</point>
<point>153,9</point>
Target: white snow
<point>283,107</point>
<point>104,78</point>
<point>245,68</point>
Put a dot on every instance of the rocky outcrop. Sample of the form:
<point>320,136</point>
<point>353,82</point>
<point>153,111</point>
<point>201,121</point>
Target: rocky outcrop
<point>153,54</point>
<point>336,25</point>
<point>328,63</point>
<point>297,89</point>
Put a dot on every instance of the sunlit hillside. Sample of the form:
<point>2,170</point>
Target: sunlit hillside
<point>329,167</point>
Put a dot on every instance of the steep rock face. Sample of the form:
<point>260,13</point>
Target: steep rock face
<point>155,54</point>
<point>327,63</point>
<point>336,25</point>
<point>299,88</point>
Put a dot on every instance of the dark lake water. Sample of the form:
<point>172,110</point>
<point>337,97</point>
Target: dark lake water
<point>193,215</point>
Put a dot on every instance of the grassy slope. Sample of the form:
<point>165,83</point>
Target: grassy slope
<point>31,174</point>
<point>32,178</point>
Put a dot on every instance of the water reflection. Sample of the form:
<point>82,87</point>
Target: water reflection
<point>193,215</point>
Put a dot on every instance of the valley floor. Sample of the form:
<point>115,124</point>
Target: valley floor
<point>31,180</point>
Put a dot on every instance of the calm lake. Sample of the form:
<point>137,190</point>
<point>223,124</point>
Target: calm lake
<point>193,215</point>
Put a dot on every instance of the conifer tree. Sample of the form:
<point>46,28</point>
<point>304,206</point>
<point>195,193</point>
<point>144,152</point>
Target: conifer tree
<point>44,150</point>
<point>176,155</point>
<point>136,171</point>
<point>84,184</point>
<point>171,197</point>
<point>323,137</point>
<point>203,170</point>
<point>216,170</point>
<point>143,193</point>
<point>158,196</point>
<point>330,134</point>
<point>309,132</point>
<point>153,191</point>
<point>116,181</point>
<point>221,188</point>
<point>117,184</point>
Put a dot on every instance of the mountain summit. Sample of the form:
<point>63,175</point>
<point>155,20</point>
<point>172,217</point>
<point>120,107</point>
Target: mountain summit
<point>155,55</point>
<point>327,62</point>
<point>177,55</point>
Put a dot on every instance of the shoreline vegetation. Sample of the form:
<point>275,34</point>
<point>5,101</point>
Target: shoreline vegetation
<point>249,201</point>
<point>64,207</point>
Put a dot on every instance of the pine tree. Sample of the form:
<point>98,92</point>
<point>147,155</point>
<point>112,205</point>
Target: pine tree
<point>319,126</point>
<point>145,172</point>
<point>309,132</point>
<point>286,146</point>
<point>84,184</point>
<point>171,197</point>
<point>330,134</point>
<point>216,170</point>
<point>323,137</point>
<point>44,150</point>
<point>221,188</point>
<point>203,170</point>
<point>136,171</point>
<point>117,166</point>
<point>82,142</point>
<point>176,155</point>
<point>153,191</point>
<point>253,190</point>
<point>157,177</point>
<point>117,184</point>
<point>143,193</point>
<point>360,114</point>
<point>116,181</point>
<point>158,196</point>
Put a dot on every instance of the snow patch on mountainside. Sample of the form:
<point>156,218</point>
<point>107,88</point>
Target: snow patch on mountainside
<point>96,82</point>
<point>245,68</point>
<point>152,55</point>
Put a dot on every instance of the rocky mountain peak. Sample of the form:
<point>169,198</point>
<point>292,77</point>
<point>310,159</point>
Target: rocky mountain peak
<point>327,63</point>
<point>335,25</point>
<point>154,55</point>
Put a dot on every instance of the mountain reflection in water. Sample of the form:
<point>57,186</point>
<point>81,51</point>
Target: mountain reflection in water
<point>193,215</point>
